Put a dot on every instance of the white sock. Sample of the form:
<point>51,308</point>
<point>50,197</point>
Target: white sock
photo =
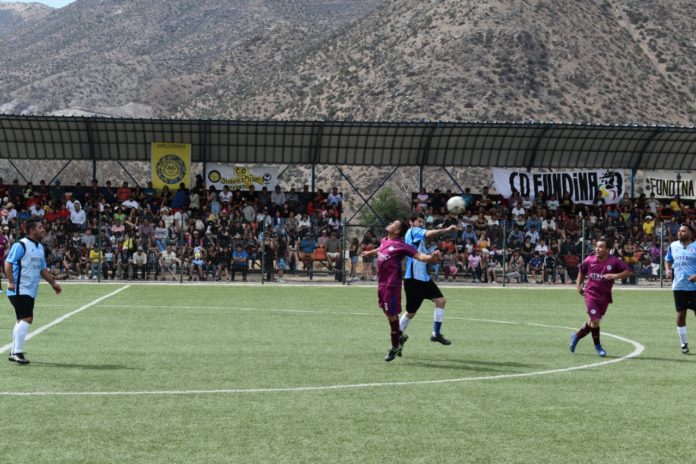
<point>19,335</point>
<point>404,322</point>
<point>682,334</point>
<point>439,314</point>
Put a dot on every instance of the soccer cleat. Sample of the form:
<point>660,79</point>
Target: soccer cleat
<point>402,341</point>
<point>573,342</point>
<point>440,339</point>
<point>393,353</point>
<point>18,358</point>
<point>600,351</point>
<point>685,348</point>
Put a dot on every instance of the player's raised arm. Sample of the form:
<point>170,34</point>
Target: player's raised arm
<point>435,232</point>
<point>367,254</point>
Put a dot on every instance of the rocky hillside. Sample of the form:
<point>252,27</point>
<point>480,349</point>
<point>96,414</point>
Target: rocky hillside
<point>591,61</point>
<point>13,15</point>
<point>101,55</point>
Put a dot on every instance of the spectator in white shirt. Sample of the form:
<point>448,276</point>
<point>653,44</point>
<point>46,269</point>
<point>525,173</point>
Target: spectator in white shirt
<point>335,198</point>
<point>78,217</point>
<point>277,198</point>
<point>36,211</point>
<point>541,247</point>
<point>225,196</point>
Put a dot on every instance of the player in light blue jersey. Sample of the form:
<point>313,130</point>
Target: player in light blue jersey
<point>24,267</point>
<point>417,282</point>
<point>680,263</point>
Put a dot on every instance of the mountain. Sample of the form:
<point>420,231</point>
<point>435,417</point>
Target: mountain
<point>13,15</point>
<point>104,55</point>
<point>592,61</point>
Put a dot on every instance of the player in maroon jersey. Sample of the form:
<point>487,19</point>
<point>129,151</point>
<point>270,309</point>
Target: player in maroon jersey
<point>601,270</point>
<point>390,253</point>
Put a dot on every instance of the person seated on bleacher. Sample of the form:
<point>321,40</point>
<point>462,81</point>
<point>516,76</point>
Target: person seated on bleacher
<point>516,267</point>
<point>277,198</point>
<point>333,251</point>
<point>307,247</point>
<point>536,267</point>
<point>240,262</point>
<point>334,198</point>
<point>421,201</point>
<point>292,199</point>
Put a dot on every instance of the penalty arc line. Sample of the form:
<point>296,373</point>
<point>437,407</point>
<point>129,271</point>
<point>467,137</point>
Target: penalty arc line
<point>44,328</point>
<point>638,349</point>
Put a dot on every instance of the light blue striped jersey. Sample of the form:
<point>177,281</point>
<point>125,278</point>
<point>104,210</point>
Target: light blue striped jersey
<point>28,260</point>
<point>683,260</point>
<point>415,236</point>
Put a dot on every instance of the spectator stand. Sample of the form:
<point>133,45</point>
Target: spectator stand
<point>389,145</point>
<point>503,240</point>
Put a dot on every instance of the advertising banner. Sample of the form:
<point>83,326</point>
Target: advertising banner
<point>241,177</point>
<point>171,164</point>
<point>580,184</point>
<point>667,184</point>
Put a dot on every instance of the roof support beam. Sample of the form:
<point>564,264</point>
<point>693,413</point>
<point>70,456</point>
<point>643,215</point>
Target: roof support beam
<point>535,150</point>
<point>639,159</point>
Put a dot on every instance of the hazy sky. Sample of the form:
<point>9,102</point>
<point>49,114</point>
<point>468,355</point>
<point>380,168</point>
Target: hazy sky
<point>53,3</point>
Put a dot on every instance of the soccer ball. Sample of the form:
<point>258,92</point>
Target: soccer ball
<point>456,205</point>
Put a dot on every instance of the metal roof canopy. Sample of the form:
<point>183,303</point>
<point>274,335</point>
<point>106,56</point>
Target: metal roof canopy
<point>425,144</point>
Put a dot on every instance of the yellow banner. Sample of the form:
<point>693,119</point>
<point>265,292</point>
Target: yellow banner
<point>171,165</point>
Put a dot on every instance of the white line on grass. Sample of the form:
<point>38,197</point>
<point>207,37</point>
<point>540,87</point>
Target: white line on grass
<point>373,285</point>
<point>638,349</point>
<point>43,328</point>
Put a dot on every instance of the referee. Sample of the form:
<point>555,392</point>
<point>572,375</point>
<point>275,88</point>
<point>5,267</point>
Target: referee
<point>24,267</point>
<point>681,263</point>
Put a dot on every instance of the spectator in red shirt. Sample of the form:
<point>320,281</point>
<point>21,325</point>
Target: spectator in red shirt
<point>123,193</point>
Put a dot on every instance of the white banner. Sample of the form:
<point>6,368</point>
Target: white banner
<point>667,184</point>
<point>580,184</point>
<point>241,177</point>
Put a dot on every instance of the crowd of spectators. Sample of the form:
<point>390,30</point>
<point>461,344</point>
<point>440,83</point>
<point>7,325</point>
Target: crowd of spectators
<point>541,239</point>
<point>128,232</point>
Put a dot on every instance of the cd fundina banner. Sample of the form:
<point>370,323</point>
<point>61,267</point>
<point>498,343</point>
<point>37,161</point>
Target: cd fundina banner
<point>171,164</point>
<point>667,184</point>
<point>581,185</point>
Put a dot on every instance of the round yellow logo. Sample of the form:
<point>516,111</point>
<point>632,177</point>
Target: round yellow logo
<point>171,169</point>
<point>214,176</point>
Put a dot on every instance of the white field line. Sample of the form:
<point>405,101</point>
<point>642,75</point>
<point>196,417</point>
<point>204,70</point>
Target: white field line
<point>43,328</point>
<point>638,349</point>
<point>320,284</point>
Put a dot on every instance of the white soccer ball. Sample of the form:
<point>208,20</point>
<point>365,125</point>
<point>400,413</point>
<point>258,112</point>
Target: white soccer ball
<point>456,205</point>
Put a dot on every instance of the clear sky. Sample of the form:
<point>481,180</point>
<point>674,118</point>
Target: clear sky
<point>53,3</point>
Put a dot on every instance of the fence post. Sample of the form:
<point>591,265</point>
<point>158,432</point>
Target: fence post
<point>342,266</point>
<point>662,247</point>
<point>505,250</point>
<point>582,249</point>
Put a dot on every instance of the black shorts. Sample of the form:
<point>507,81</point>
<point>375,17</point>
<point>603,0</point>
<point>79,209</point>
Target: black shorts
<point>417,291</point>
<point>23,305</point>
<point>685,299</point>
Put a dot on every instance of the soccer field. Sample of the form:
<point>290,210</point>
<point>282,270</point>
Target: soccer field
<point>237,374</point>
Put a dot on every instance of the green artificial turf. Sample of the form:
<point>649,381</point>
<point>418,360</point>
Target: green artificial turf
<point>237,374</point>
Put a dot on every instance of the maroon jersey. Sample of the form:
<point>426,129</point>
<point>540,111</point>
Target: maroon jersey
<point>598,288</point>
<point>389,256</point>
